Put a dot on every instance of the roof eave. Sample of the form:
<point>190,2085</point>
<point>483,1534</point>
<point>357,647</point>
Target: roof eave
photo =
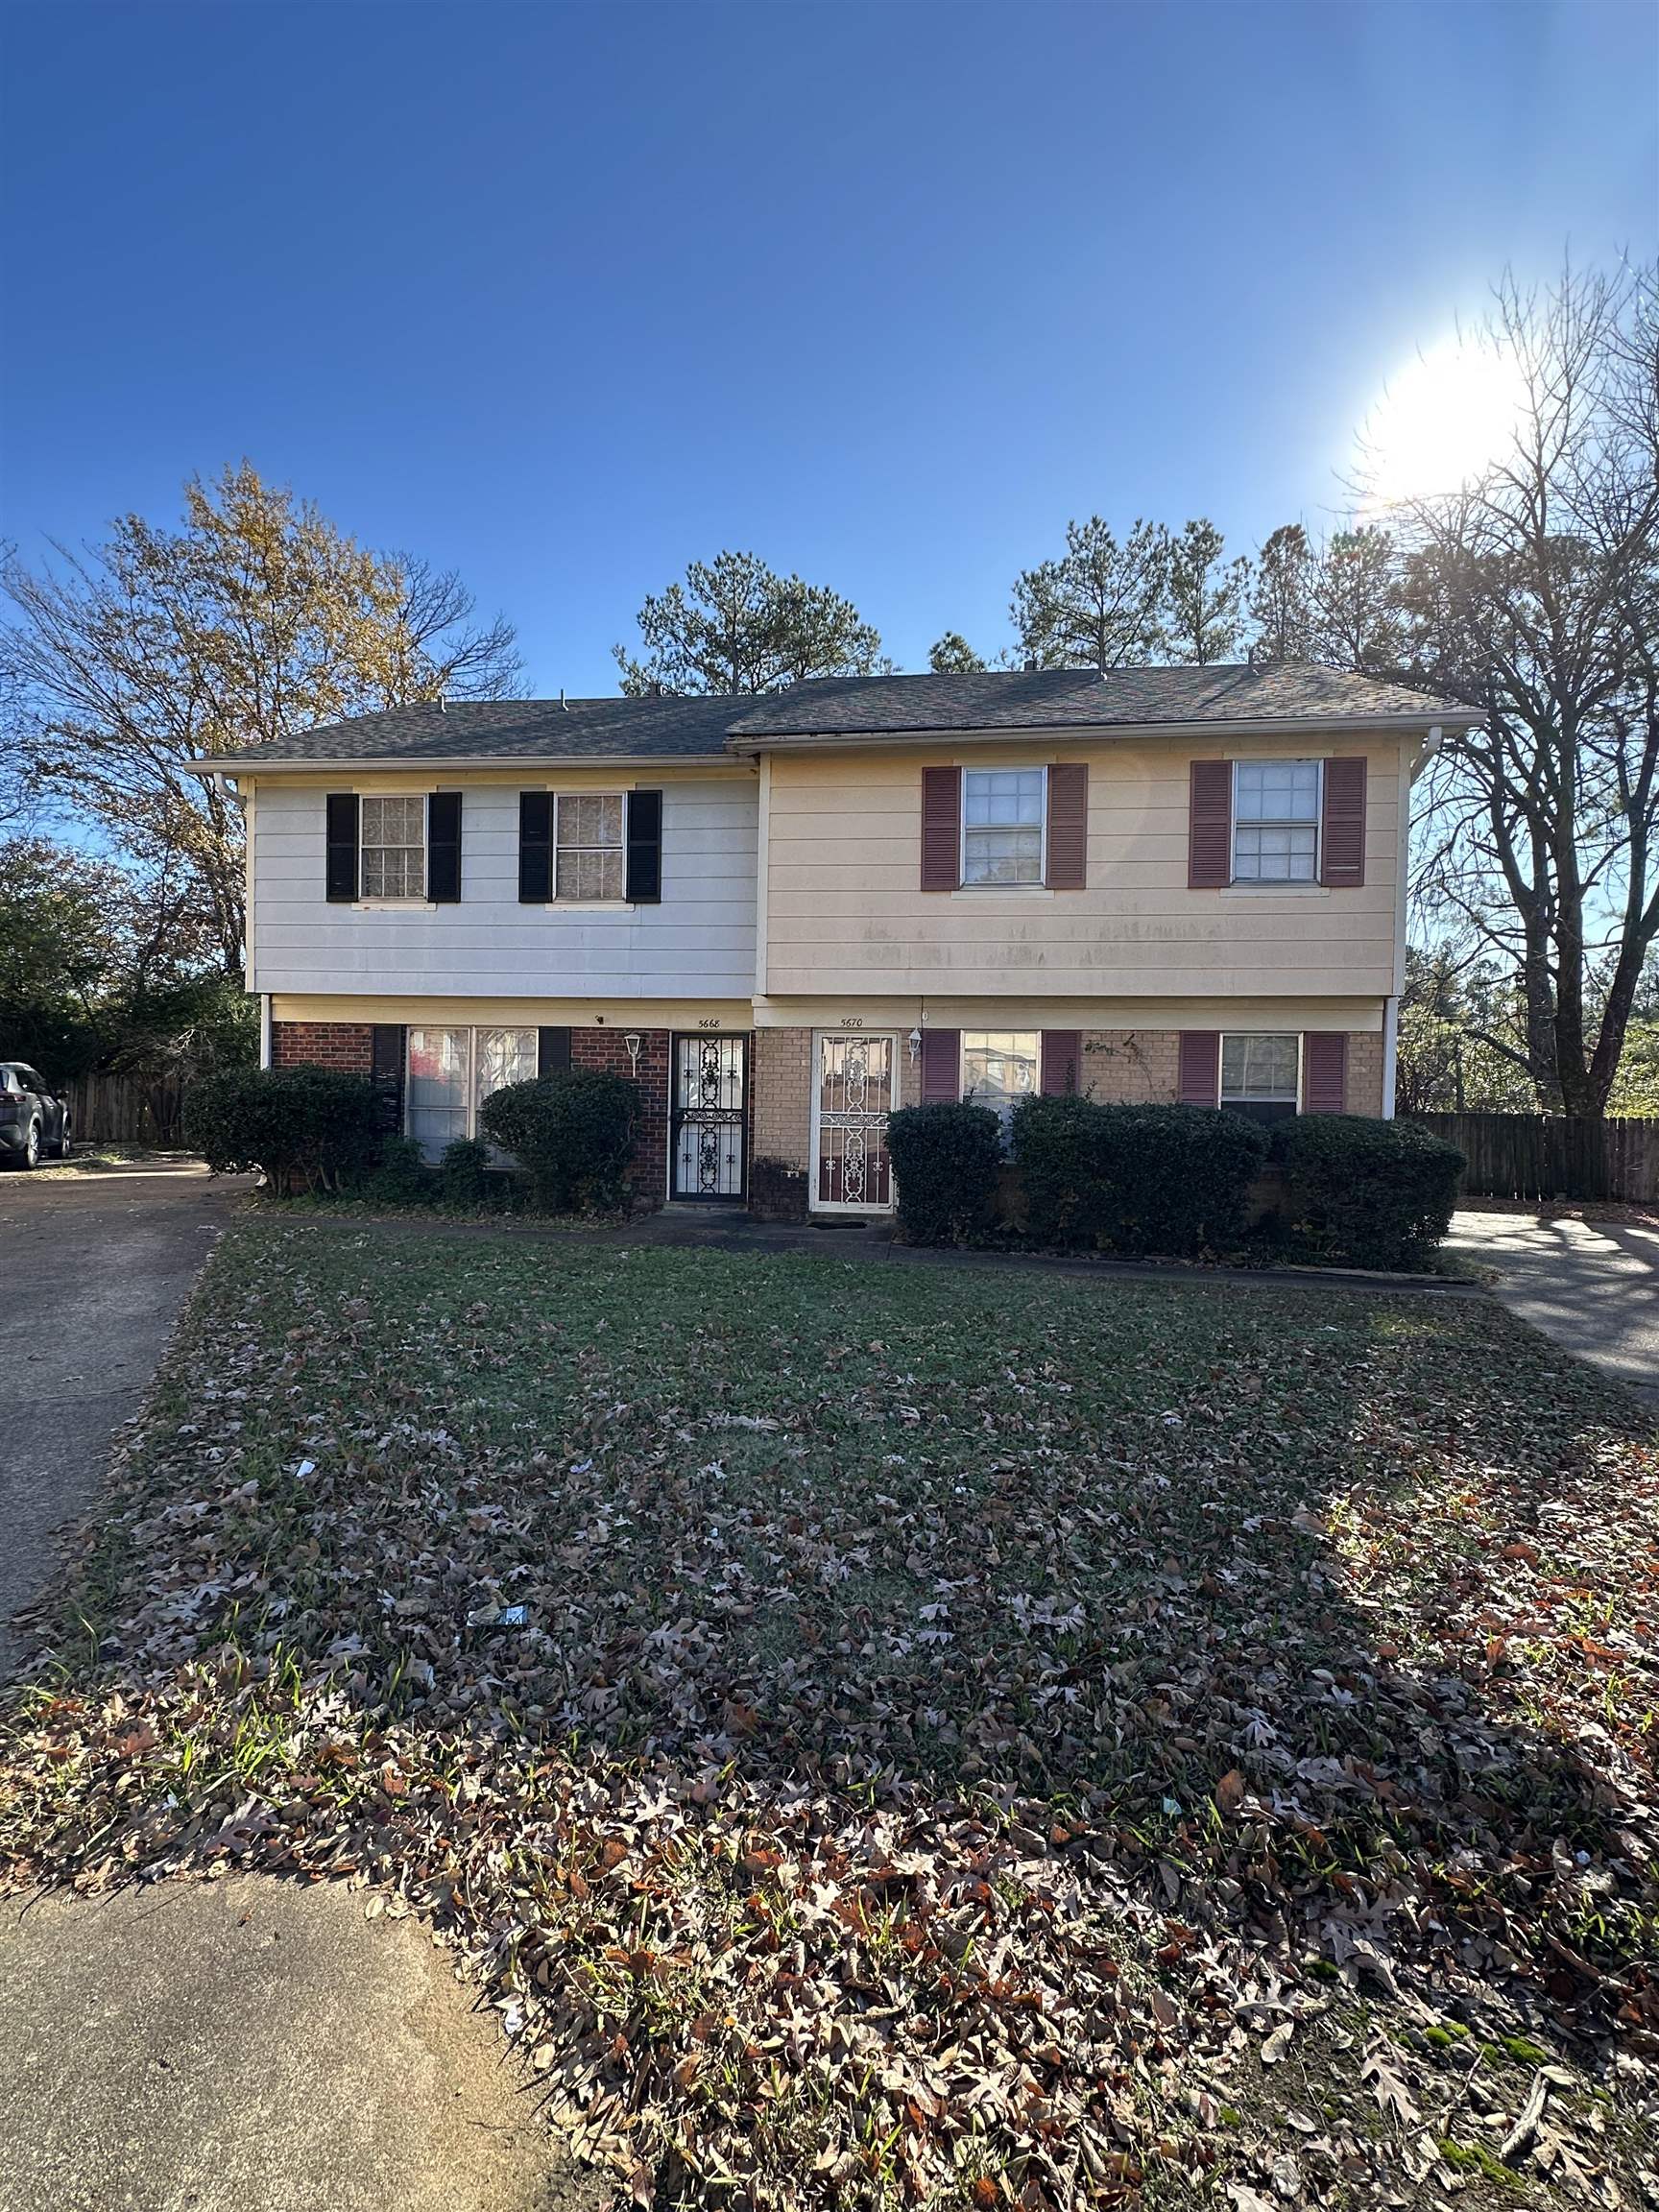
<point>972,733</point>
<point>409,764</point>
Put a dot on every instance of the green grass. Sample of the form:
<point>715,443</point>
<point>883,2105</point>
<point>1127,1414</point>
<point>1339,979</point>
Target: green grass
<point>1027,1649</point>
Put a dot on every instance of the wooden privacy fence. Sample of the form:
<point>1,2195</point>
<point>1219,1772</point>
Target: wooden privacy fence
<point>126,1110</point>
<point>1553,1155</point>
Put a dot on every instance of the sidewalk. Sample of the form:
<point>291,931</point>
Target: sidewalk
<point>1592,1286</point>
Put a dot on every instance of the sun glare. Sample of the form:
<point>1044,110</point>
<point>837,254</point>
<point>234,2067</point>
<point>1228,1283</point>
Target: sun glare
<point>1441,419</point>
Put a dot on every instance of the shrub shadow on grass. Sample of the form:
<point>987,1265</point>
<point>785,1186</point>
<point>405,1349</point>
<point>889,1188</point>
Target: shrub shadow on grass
<point>877,1622</point>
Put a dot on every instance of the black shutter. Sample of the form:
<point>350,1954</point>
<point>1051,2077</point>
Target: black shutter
<point>535,848</point>
<point>339,875</point>
<point>444,846</point>
<point>644,846</point>
<point>552,1051</point>
<point>386,1062</point>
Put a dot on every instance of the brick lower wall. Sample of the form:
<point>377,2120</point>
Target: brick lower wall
<point>1130,1066</point>
<point>605,1050</point>
<point>783,1096</point>
<point>347,1047</point>
<point>1365,1092</point>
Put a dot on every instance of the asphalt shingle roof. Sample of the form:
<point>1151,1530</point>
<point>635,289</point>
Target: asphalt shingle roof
<point>1067,698</point>
<point>669,729</point>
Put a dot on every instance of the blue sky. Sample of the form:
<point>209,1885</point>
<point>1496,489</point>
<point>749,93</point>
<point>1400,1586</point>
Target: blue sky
<point>567,296</point>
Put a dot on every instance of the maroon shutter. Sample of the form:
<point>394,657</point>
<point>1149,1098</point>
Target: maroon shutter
<point>941,829</point>
<point>1068,825</point>
<point>1210,826</point>
<point>941,1063</point>
<point>1062,1062</point>
<point>1324,1070</point>
<point>1342,837</point>
<point>1199,1076</point>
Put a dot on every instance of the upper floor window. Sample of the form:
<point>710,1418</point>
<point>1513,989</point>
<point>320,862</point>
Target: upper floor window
<point>1276,822</point>
<point>393,847</point>
<point>1002,825</point>
<point>1261,1076</point>
<point>588,845</point>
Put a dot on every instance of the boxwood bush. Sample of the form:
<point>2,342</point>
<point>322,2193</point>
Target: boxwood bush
<point>307,1128</point>
<point>1058,1145</point>
<point>946,1161</point>
<point>1167,1179</point>
<point>1373,1193</point>
<point>572,1132</point>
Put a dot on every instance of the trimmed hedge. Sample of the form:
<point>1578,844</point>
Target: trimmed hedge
<point>464,1174</point>
<point>573,1135</point>
<point>306,1127</point>
<point>945,1162</point>
<point>1165,1179</point>
<point>1373,1193</point>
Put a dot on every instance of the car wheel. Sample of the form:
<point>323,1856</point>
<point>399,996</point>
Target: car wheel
<point>32,1145</point>
<point>64,1142</point>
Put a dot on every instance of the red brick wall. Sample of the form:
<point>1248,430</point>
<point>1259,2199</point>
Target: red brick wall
<point>347,1047</point>
<point>605,1048</point>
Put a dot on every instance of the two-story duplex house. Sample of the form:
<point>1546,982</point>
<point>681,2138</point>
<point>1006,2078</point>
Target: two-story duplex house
<point>787,915</point>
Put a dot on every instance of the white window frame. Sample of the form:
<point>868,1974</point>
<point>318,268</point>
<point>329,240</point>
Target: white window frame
<point>368,799</point>
<point>1002,768</point>
<point>470,1030</point>
<point>620,849</point>
<point>1279,883</point>
<point>1221,1098</point>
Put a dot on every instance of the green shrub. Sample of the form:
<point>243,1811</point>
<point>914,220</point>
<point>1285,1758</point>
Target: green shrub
<point>1165,1179</point>
<point>1057,1147</point>
<point>1181,1176</point>
<point>402,1177</point>
<point>308,1128</point>
<point>464,1174</point>
<point>946,1161</point>
<point>573,1134</point>
<point>1374,1193</point>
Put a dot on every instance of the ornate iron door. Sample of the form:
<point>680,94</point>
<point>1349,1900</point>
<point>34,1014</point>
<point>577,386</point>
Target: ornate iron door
<point>856,1090</point>
<point>710,1136</point>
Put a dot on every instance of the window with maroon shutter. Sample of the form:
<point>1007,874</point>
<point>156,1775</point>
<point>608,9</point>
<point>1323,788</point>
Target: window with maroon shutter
<point>941,829</point>
<point>1199,1066</point>
<point>1062,1062</point>
<point>1324,1072</point>
<point>1209,826</point>
<point>1342,833</point>
<point>941,1066</point>
<point>1068,825</point>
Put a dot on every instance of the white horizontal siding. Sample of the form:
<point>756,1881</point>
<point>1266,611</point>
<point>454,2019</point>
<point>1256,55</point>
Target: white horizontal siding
<point>698,943</point>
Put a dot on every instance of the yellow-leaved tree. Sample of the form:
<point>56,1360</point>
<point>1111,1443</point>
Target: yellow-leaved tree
<point>255,619</point>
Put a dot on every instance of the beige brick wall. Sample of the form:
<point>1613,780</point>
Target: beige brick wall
<point>1364,1073</point>
<point>1130,1066</point>
<point>783,1096</point>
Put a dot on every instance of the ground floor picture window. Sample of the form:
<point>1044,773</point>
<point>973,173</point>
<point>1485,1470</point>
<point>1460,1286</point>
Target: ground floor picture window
<point>452,1071</point>
<point>1261,1075</point>
<point>1001,1067</point>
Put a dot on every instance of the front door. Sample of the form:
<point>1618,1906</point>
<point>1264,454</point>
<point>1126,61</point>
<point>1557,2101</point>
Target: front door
<point>710,1116</point>
<point>857,1088</point>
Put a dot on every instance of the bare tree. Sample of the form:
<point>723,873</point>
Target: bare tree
<point>1534,594</point>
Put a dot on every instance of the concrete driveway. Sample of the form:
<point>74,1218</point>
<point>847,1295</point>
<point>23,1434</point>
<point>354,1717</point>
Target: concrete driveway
<point>1592,1287</point>
<point>205,2047</point>
<point>95,1267</point>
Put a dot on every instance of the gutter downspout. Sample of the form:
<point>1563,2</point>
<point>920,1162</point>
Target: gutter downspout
<point>265,1028</point>
<point>1390,1048</point>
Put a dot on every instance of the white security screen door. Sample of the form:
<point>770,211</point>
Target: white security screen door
<point>857,1088</point>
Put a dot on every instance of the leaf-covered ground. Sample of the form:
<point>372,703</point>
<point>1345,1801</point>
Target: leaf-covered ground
<point>889,1738</point>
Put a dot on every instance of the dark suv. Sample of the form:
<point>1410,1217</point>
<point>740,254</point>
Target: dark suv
<point>33,1118</point>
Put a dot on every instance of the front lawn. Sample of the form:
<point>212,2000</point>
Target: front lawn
<point>893,1736</point>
